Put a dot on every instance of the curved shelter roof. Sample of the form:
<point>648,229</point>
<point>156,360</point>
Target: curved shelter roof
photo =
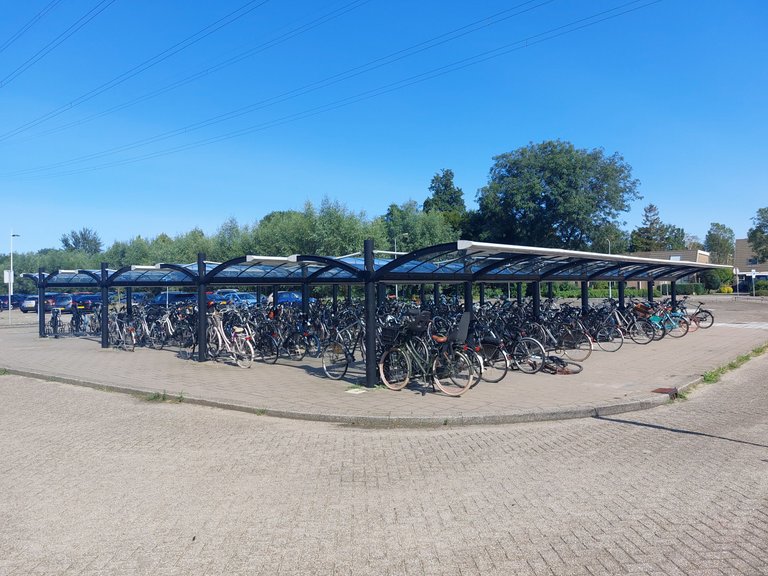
<point>452,262</point>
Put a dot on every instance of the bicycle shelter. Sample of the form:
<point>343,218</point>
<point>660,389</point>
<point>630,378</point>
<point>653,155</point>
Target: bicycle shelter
<point>462,262</point>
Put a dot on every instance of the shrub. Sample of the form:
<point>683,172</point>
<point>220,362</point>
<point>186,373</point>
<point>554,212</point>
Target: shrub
<point>726,290</point>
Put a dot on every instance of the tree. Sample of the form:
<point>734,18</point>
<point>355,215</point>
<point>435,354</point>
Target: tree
<point>719,242</point>
<point>446,198</point>
<point>85,240</point>
<point>655,235</point>
<point>416,229</point>
<point>758,235</point>
<point>554,195</point>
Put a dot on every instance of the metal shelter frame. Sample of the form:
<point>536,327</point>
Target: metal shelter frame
<point>462,262</point>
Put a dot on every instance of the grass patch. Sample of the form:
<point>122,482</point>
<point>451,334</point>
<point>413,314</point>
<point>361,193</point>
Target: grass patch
<point>157,397</point>
<point>3,372</point>
<point>714,375</point>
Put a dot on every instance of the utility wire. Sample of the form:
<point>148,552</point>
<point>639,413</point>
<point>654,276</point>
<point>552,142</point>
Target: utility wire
<point>48,48</point>
<point>28,25</point>
<point>314,86</point>
<point>214,68</point>
<point>524,43</point>
<point>144,66</point>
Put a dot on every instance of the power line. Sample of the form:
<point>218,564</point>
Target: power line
<point>29,25</point>
<point>551,34</point>
<point>48,48</point>
<point>475,26</point>
<point>214,68</point>
<point>144,66</point>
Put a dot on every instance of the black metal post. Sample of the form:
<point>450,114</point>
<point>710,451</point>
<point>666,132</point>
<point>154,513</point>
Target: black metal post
<point>536,300</point>
<point>305,300</point>
<point>622,288</point>
<point>650,291</point>
<point>40,302</point>
<point>673,294</point>
<point>436,293</point>
<point>370,314</point>
<point>335,298</point>
<point>202,310</point>
<point>482,293</point>
<point>550,291</point>
<point>585,298</point>
<point>381,293</point>
<point>275,291</point>
<point>349,294</point>
<point>468,297</point>
<point>519,291</point>
<point>129,300</point>
<point>421,295</point>
<point>104,306</point>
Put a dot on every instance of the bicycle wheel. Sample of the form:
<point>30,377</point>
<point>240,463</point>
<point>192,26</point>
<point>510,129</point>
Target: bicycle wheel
<point>243,350</point>
<point>452,373</point>
<point>478,364</point>
<point>438,326</point>
<point>213,343</point>
<point>676,327</point>
<point>577,346</point>
<point>495,363</point>
<point>313,345</point>
<point>130,339</point>
<point>555,365</point>
<point>266,349</point>
<point>335,360</point>
<point>157,336</point>
<point>528,355</point>
<point>609,338</point>
<point>395,369</point>
<point>296,346</point>
<point>704,318</point>
<point>641,331</point>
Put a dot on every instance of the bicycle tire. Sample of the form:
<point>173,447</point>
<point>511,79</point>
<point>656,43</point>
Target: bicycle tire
<point>676,327</point>
<point>555,365</point>
<point>495,363</point>
<point>395,369</point>
<point>576,345</point>
<point>641,331</point>
<point>266,349</point>
<point>130,339</point>
<point>243,351</point>
<point>609,338</point>
<point>335,360</point>
<point>704,318</point>
<point>313,345</point>
<point>453,375</point>
<point>296,347</point>
<point>528,355</point>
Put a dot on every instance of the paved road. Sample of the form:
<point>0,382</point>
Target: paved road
<point>95,483</point>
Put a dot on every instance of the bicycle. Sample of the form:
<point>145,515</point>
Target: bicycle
<point>444,365</point>
<point>233,343</point>
<point>340,349</point>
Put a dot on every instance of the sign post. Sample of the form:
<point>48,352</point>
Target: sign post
<point>754,273</point>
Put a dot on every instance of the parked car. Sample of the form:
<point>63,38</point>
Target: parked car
<point>245,299</point>
<point>86,302</point>
<point>30,303</point>
<point>173,298</point>
<point>16,300</point>
<point>289,298</point>
<point>64,302</point>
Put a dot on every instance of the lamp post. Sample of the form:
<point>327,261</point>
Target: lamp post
<point>403,235</point>
<point>10,279</point>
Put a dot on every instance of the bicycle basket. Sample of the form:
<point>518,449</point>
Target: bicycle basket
<point>389,335</point>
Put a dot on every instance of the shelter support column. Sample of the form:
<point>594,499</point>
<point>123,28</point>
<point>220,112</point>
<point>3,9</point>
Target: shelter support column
<point>519,293</point>
<point>550,291</point>
<point>622,291</point>
<point>536,300</point>
<point>202,309</point>
<point>129,300</point>
<point>468,297</point>
<point>673,294</point>
<point>40,303</point>
<point>335,298</point>
<point>482,294</point>
<point>104,306</point>
<point>650,291</point>
<point>370,314</point>
<point>436,293</point>
<point>584,298</point>
<point>421,294</point>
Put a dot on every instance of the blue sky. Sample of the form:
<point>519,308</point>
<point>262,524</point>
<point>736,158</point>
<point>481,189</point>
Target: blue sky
<point>676,87</point>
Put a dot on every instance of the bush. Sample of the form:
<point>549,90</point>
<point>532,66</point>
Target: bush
<point>690,289</point>
<point>726,290</point>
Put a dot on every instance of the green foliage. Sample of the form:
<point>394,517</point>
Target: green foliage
<point>720,242</point>
<point>447,198</point>
<point>690,288</point>
<point>758,235</point>
<point>655,235</point>
<point>84,240</point>
<point>554,195</point>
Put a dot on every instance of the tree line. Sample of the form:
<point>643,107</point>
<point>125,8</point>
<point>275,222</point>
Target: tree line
<point>549,194</point>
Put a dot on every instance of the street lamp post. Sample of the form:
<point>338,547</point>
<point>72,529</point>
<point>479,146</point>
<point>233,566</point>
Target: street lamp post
<point>10,279</point>
<point>403,235</point>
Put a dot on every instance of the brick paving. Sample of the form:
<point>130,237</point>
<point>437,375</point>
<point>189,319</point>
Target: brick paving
<point>95,484</point>
<point>609,383</point>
